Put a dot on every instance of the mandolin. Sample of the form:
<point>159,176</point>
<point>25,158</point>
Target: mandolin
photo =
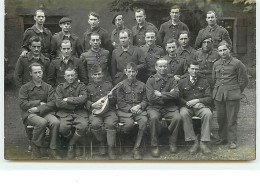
<point>105,102</point>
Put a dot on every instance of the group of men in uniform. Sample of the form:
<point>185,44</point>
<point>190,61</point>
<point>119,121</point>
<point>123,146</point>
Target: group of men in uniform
<point>154,79</point>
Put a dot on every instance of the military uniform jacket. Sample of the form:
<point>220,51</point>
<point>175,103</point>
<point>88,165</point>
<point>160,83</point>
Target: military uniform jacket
<point>169,89</point>
<point>230,79</point>
<point>22,74</point>
<point>77,97</point>
<point>218,34</point>
<point>200,90</point>
<point>45,36</point>
<point>91,57</point>
<point>97,91</point>
<point>31,96</point>
<point>139,36</point>
<point>186,53</point>
<point>104,36</point>
<point>168,30</point>
<point>151,54</point>
<point>115,36</point>
<point>177,66</point>
<point>206,61</point>
<point>57,70</point>
<point>121,58</point>
<point>57,38</point>
<point>130,94</point>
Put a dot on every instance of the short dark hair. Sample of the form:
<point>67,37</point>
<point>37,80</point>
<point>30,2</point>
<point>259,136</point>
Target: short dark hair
<point>224,43</point>
<point>210,12</point>
<point>193,62</point>
<point>35,39</point>
<point>140,10</point>
<point>171,40</point>
<point>184,32</point>
<point>35,65</point>
<point>175,7</point>
<point>123,31</point>
<point>66,41</point>
<point>39,10</point>
<point>94,14</point>
<point>131,65</point>
<point>70,69</point>
<point>149,31</point>
<point>93,34</point>
<point>162,58</point>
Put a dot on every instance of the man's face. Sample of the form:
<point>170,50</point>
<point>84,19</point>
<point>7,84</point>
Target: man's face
<point>124,39</point>
<point>97,77</point>
<point>211,19</point>
<point>184,40</point>
<point>36,73</point>
<point>207,44</point>
<point>224,52</point>
<point>65,27</point>
<point>66,49</point>
<point>171,48</point>
<point>140,17</point>
<point>93,21</point>
<point>150,38</point>
<point>131,73</point>
<point>39,18</point>
<point>95,42</point>
<point>193,70</point>
<point>161,67</point>
<point>36,48</point>
<point>70,76</point>
<point>119,22</point>
<point>175,14</point>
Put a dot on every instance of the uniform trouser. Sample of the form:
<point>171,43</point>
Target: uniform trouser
<point>173,120</point>
<point>128,122</point>
<point>40,124</point>
<point>78,122</point>
<point>227,112</point>
<point>206,120</point>
<point>109,121</point>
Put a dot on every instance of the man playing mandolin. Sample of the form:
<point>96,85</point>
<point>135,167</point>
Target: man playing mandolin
<point>132,101</point>
<point>107,120</point>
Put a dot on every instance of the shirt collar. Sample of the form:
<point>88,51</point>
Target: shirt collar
<point>159,77</point>
<point>226,61</point>
<point>129,51</point>
<point>212,28</point>
<point>30,56</point>
<point>130,82</point>
<point>188,49</point>
<point>32,85</point>
<point>38,31</point>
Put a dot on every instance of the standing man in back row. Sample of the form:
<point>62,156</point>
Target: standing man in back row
<point>142,25</point>
<point>217,32</point>
<point>172,28</point>
<point>40,31</point>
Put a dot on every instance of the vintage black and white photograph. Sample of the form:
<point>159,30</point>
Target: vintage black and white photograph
<point>130,80</point>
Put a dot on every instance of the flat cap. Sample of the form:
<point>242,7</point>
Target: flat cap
<point>204,38</point>
<point>115,15</point>
<point>64,19</point>
<point>95,68</point>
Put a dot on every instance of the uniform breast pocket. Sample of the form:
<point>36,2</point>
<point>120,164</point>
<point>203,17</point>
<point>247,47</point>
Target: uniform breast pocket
<point>128,95</point>
<point>103,62</point>
<point>217,38</point>
<point>139,95</point>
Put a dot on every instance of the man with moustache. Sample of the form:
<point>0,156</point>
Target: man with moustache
<point>65,34</point>
<point>172,28</point>
<point>218,33</point>
<point>139,29</point>
<point>162,94</point>
<point>119,22</point>
<point>94,20</point>
<point>64,61</point>
<point>22,72</point>
<point>40,31</point>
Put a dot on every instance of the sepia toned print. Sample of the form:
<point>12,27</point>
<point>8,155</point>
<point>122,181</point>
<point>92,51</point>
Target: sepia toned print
<point>130,80</point>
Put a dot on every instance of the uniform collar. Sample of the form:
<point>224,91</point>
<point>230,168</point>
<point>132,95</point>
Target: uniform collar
<point>96,30</point>
<point>30,56</point>
<point>226,61</point>
<point>159,77</point>
<point>74,85</point>
<point>32,85</point>
<point>129,82</point>
<point>38,31</point>
<point>212,28</point>
<point>144,26</point>
<point>129,51</point>
<point>188,49</point>
<point>99,84</point>
<point>61,35</point>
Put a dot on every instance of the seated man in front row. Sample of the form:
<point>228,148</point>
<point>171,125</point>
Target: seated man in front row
<point>37,102</point>
<point>70,99</point>
<point>108,120</point>
<point>132,101</point>
<point>195,97</point>
<point>162,94</point>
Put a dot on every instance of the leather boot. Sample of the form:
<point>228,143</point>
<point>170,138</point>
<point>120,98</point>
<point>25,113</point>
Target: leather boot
<point>194,147</point>
<point>137,152</point>
<point>53,154</point>
<point>99,136</point>
<point>111,139</point>
<point>36,152</point>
